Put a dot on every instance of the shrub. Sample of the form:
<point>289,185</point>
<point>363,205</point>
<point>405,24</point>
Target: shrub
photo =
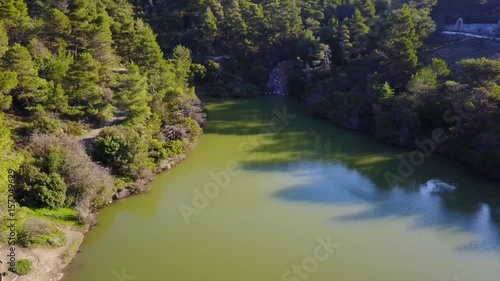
<point>39,189</point>
<point>36,232</point>
<point>89,186</point>
<point>75,128</point>
<point>45,123</point>
<point>123,150</point>
<point>24,267</point>
<point>173,148</point>
<point>193,127</point>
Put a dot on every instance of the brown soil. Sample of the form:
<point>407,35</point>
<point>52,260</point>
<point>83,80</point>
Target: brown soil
<point>47,263</point>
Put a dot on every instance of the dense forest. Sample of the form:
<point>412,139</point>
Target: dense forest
<point>69,68</point>
<point>358,63</point>
<point>125,70</point>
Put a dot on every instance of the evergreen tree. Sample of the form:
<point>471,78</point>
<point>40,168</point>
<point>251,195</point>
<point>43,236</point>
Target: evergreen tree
<point>401,43</point>
<point>57,28</point>
<point>123,28</point>
<point>181,60</point>
<point>359,32</point>
<point>147,53</point>
<point>31,89</point>
<point>132,94</point>
<point>210,28</point>
<point>8,81</point>
<point>14,14</point>
<point>84,92</point>
<point>4,39</point>
<point>82,14</point>
<point>345,42</point>
<point>100,44</point>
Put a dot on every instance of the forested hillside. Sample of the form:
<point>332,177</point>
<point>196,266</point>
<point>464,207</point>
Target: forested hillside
<point>358,63</point>
<point>68,67</point>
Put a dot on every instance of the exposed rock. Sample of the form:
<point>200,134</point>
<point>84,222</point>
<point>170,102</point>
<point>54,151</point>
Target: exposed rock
<point>278,78</point>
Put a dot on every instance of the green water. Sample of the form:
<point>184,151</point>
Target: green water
<point>288,184</point>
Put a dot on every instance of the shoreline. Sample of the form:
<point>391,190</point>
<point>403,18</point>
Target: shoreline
<point>49,264</point>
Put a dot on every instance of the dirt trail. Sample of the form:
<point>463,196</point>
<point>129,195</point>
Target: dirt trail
<point>116,120</point>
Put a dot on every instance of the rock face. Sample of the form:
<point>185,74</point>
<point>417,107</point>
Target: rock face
<point>278,78</point>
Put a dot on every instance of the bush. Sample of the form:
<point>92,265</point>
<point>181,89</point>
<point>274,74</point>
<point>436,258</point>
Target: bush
<point>89,186</point>
<point>173,148</point>
<point>45,123</point>
<point>36,232</point>
<point>193,129</point>
<point>24,267</point>
<point>75,128</point>
<point>39,189</point>
<point>123,150</point>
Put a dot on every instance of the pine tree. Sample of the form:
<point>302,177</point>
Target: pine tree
<point>132,93</point>
<point>386,93</point>
<point>181,60</point>
<point>100,45</point>
<point>283,19</point>
<point>31,89</point>
<point>4,39</point>
<point>359,32</point>
<point>123,29</point>
<point>367,10</point>
<point>210,28</point>
<point>82,14</point>
<point>147,53</point>
<point>345,42</point>
<point>57,28</point>
<point>400,45</point>
<point>236,28</point>
<point>8,81</point>
<point>57,100</point>
<point>14,14</point>
<point>84,92</point>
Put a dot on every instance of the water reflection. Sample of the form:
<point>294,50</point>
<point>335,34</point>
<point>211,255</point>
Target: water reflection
<point>342,167</point>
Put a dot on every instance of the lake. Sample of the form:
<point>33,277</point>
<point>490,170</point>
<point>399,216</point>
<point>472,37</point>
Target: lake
<point>271,193</point>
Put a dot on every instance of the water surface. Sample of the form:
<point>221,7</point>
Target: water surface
<point>297,180</point>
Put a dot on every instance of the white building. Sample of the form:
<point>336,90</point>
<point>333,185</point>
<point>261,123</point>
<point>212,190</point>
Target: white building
<point>480,28</point>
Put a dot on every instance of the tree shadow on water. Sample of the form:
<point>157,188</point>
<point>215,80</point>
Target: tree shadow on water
<point>335,166</point>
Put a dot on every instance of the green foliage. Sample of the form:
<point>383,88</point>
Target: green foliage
<point>40,233</point>
<point>14,14</point>
<point>386,93</point>
<point>38,189</point>
<point>61,215</point>
<point>68,65</point>
<point>9,160</point>
<point>81,84</point>
<point>173,148</point>
<point>480,71</point>
<point>30,90</point>
<point>4,39</point>
<point>123,150</point>
<point>132,95</point>
<point>8,81</point>
<point>24,267</point>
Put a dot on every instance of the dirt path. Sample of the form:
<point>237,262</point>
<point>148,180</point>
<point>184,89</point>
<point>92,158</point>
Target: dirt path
<point>90,135</point>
